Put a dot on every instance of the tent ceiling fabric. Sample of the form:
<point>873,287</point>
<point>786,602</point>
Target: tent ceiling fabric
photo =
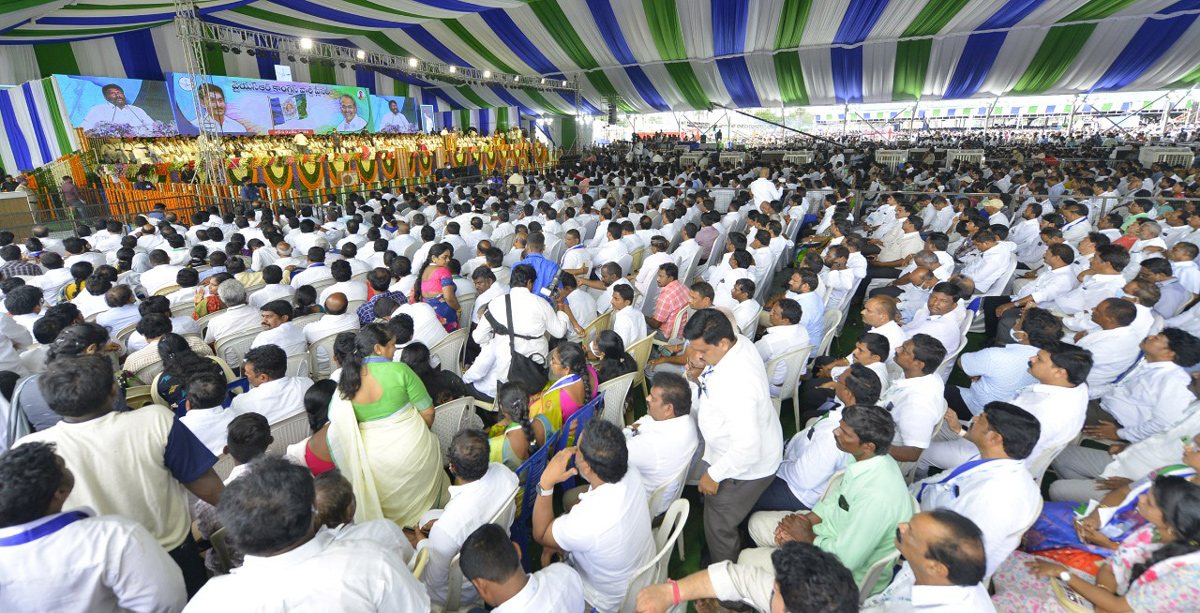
<point>657,55</point>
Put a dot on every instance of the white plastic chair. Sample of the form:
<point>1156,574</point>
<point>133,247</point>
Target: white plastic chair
<point>224,466</point>
<point>867,585</point>
<point>615,392</point>
<point>448,419</point>
<point>233,348</point>
<point>655,571</point>
<point>796,361</point>
<point>626,264</point>
<point>299,365</point>
<point>640,351</point>
<point>503,517</point>
<point>290,431</point>
<point>304,320</point>
<point>449,351</point>
<point>751,326</point>
<point>325,342</point>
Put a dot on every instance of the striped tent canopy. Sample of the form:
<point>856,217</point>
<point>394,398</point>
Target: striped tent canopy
<point>657,55</point>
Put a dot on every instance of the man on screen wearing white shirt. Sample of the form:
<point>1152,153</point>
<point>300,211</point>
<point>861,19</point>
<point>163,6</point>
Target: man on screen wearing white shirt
<point>393,121</point>
<point>351,122</point>
<point>116,110</point>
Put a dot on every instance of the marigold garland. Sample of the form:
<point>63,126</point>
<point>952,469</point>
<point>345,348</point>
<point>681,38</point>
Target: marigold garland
<point>388,167</point>
<point>312,175</point>
<point>368,171</point>
<point>278,176</point>
<point>422,164</point>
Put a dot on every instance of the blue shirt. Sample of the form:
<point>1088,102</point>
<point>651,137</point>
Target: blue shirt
<point>1002,373</point>
<point>812,314</point>
<point>211,271</point>
<point>544,268</point>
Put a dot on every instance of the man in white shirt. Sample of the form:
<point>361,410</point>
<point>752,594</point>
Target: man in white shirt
<point>161,274</point>
<point>337,318</point>
<point>785,334</point>
<point>577,305</point>
<point>1102,280</point>
<point>274,288</point>
<point>341,273</point>
<point>279,330</point>
<point>1054,279</point>
<point>491,562</point>
<point>650,265</point>
<point>999,373</point>
<point>1154,395</point>
<point>237,317</point>
<point>205,416</point>
<point>482,490</point>
<point>74,561</point>
<point>123,310</point>
<point>743,440</point>
<point>351,122</point>
<point>763,189</point>
<point>988,269</point>
<point>272,394</point>
<point>924,582</point>
<point>627,322</point>
<point>941,318</point>
<point>915,401</point>
<point>1058,400</point>
<point>116,110</point>
<point>91,299</point>
<point>422,326</point>
<point>996,491</point>
<point>812,456</point>
<point>662,442</point>
<point>533,319</point>
<point>316,271</point>
<point>607,534</point>
<point>1113,344</point>
<point>290,564</point>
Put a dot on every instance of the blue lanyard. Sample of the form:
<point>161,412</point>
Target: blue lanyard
<point>956,472</point>
<point>46,529</point>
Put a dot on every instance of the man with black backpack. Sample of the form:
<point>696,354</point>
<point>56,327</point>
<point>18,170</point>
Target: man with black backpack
<point>522,355</point>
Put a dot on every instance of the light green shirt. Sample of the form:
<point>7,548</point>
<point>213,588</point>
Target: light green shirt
<point>859,518</point>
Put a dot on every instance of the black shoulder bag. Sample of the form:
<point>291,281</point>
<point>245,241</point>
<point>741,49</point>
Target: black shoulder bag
<point>523,369</point>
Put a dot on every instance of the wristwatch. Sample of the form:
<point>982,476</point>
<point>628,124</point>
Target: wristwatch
<point>545,492</point>
<point>1065,576</point>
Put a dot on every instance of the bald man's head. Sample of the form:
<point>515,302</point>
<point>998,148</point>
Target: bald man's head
<point>920,276</point>
<point>335,304</point>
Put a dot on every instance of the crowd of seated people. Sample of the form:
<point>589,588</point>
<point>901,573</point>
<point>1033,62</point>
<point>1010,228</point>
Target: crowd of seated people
<point>1010,422</point>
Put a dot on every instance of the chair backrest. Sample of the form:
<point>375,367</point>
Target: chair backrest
<point>163,291</point>
<point>138,396</point>
<point>299,365</point>
<point>124,333</point>
<point>419,562</point>
<point>1038,467</point>
<point>182,309</point>
<point>601,323</point>
<point>867,585</point>
<point>796,361</point>
<point>304,320</point>
<point>529,472</point>
<point>640,351</point>
<point>655,571</point>
<point>1004,280</point>
<point>826,341</point>
<point>466,306</point>
<point>233,348</point>
<point>224,466</point>
<point>230,377</point>
<point>412,248</point>
<point>360,277</point>
<point>352,305</point>
<point>637,256</point>
<point>203,321</point>
<point>751,326</point>
<point>222,549</point>
<point>449,350</point>
<point>504,243</point>
<point>314,362</point>
<point>149,371</point>
<point>322,283</point>
<point>454,585</point>
<point>650,299</point>
<point>626,264</point>
<point>448,419</point>
<point>615,391</point>
<point>290,431</point>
